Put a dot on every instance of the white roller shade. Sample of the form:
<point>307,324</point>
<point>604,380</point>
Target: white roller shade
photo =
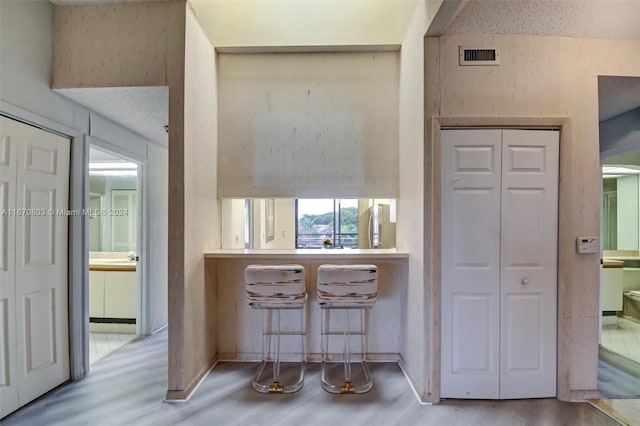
<point>308,125</point>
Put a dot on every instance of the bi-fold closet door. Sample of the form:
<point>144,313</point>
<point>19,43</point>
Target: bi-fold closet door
<point>499,263</point>
<point>34,190</point>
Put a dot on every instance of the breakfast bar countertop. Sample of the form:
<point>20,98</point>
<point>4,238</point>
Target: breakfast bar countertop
<point>238,327</point>
<point>307,253</point>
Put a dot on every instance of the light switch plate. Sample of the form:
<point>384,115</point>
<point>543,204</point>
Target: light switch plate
<point>588,245</point>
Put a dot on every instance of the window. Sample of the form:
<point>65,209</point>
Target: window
<point>319,220</point>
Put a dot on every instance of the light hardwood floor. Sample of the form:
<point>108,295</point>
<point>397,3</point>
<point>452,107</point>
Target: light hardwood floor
<point>127,388</point>
<point>614,382</point>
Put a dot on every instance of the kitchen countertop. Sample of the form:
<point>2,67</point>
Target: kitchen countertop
<point>308,253</point>
<point>629,262</point>
<point>110,261</point>
<point>612,263</point>
<point>621,258</point>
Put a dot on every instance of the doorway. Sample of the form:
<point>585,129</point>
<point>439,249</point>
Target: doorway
<point>619,125</point>
<point>619,351</point>
<point>499,263</point>
<point>114,243</point>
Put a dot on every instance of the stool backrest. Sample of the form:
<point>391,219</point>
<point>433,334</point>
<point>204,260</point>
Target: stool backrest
<point>274,284</point>
<point>345,283</point>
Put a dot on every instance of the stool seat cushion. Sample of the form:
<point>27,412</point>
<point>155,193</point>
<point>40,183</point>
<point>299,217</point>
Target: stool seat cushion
<point>347,285</point>
<point>275,286</point>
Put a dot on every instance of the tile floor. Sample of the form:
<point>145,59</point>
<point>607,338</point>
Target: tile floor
<point>623,338</point>
<point>625,411</point>
<point>102,344</point>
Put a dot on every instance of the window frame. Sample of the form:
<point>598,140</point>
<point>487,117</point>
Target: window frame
<point>337,236</point>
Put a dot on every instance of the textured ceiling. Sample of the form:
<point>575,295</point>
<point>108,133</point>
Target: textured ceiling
<point>145,110</point>
<point>610,19</point>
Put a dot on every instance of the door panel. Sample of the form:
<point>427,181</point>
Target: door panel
<point>4,231</point>
<point>8,176</point>
<point>470,263</point>
<point>472,354</point>
<point>39,229</point>
<point>523,316</point>
<point>529,272</point>
<point>41,262</point>
<point>523,237</point>
<point>499,255</point>
<point>41,159</point>
<point>5,376</point>
<point>472,245</point>
<point>39,330</point>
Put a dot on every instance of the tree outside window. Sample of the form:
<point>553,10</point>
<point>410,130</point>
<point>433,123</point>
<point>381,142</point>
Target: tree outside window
<point>319,220</point>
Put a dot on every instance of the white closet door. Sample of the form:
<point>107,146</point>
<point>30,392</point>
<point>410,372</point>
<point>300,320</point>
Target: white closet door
<point>8,356</point>
<point>42,262</point>
<point>529,263</point>
<point>471,169</point>
<point>499,255</point>
<point>33,263</point>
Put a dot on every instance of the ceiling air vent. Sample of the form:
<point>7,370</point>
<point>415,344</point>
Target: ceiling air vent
<point>479,56</point>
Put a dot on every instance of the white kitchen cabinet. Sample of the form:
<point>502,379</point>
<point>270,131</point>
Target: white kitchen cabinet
<point>96,294</point>
<point>612,279</point>
<point>120,294</point>
<point>113,294</point>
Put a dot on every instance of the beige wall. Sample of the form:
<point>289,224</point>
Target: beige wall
<point>541,77</point>
<point>146,44</point>
<point>308,125</point>
<point>95,37</point>
<point>201,208</point>
<point>410,228</point>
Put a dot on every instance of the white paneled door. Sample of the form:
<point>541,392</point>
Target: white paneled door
<point>34,301</point>
<point>499,263</point>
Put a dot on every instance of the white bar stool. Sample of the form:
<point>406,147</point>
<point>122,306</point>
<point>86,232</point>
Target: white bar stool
<point>346,287</point>
<point>271,288</point>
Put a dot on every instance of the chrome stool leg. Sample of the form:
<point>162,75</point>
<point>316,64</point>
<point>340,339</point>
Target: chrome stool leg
<point>346,287</point>
<point>346,333</point>
<point>271,289</point>
<point>267,335</point>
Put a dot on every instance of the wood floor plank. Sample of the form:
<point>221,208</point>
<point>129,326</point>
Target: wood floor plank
<point>127,388</point>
